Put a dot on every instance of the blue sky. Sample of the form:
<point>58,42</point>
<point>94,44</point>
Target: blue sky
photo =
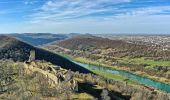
<point>85,16</point>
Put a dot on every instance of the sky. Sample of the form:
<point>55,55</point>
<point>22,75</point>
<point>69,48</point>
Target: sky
<point>85,16</point>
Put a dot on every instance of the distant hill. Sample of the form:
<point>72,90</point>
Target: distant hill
<point>119,48</point>
<point>89,41</point>
<point>39,38</point>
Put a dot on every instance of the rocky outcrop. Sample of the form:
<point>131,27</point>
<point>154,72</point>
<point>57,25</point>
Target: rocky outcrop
<point>36,80</point>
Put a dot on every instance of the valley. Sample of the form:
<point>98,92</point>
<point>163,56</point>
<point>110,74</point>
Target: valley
<point>84,50</point>
<point>80,72</point>
<point>87,50</point>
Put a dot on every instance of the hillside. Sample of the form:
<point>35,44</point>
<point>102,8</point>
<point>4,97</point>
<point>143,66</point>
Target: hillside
<point>119,48</point>
<point>38,80</point>
<point>39,38</point>
<point>11,48</point>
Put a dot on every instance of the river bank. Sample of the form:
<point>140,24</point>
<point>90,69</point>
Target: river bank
<point>148,81</point>
<point>143,74</point>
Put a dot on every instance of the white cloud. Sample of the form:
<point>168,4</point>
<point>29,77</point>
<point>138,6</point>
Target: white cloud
<point>128,24</point>
<point>57,10</point>
<point>69,10</point>
<point>66,16</point>
<point>149,10</point>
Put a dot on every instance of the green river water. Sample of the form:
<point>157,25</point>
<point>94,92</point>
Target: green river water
<point>143,80</point>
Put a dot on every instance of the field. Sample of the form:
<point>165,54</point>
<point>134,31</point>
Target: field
<point>149,63</point>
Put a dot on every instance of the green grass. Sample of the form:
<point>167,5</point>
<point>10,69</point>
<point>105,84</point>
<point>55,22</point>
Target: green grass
<point>65,55</point>
<point>84,60</point>
<point>142,60</point>
<point>82,96</point>
<point>87,61</point>
<point>109,75</point>
<point>114,77</point>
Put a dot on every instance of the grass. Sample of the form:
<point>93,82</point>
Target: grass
<point>84,60</point>
<point>115,77</point>
<point>65,55</point>
<point>82,96</point>
<point>142,60</point>
<point>109,75</point>
<point>87,61</point>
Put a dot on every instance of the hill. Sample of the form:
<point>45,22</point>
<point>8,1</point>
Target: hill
<point>118,48</point>
<point>11,48</point>
<point>39,38</point>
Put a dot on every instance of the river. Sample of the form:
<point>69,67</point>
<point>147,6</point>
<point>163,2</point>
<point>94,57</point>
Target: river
<point>143,80</point>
